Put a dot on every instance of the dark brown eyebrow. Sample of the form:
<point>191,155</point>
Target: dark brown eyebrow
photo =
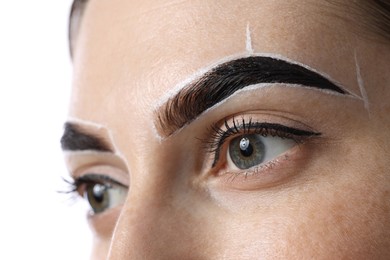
<point>224,80</point>
<point>75,17</point>
<point>75,139</point>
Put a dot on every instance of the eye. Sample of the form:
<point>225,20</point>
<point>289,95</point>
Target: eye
<point>101,192</point>
<point>246,146</point>
<point>104,196</point>
<point>249,150</point>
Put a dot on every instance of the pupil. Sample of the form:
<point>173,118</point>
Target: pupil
<point>98,192</point>
<point>246,147</point>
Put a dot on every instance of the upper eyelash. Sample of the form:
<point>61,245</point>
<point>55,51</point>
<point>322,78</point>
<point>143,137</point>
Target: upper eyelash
<point>71,191</point>
<point>219,135</point>
<point>75,184</point>
<point>72,186</point>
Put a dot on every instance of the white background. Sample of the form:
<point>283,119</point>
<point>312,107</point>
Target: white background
<point>35,78</point>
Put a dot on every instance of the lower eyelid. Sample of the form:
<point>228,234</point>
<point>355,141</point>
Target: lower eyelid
<point>104,223</point>
<point>271,173</point>
<point>279,146</point>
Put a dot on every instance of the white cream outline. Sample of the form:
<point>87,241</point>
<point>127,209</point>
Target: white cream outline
<point>248,43</point>
<point>87,123</point>
<point>360,83</point>
<point>155,132</point>
<point>116,151</point>
<point>87,152</point>
<point>258,86</point>
<point>98,126</point>
<point>201,72</point>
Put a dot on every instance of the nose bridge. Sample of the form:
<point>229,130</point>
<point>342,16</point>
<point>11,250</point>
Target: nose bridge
<point>137,231</point>
<point>143,217</point>
<point>161,213</point>
<point>154,222</point>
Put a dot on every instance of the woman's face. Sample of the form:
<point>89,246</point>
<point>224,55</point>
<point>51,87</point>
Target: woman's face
<point>231,130</point>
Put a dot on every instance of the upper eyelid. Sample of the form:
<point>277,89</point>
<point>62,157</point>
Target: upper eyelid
<point>81,164</point>
<point>83,159</point>
<point>252,127</point>
<point>294,106</point>
<point>97,178</point>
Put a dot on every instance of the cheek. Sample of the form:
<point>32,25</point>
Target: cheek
<point>346,224</point>
<point>330,224</point>
<point>100,249</point>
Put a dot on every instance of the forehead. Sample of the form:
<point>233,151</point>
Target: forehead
<point>136,51</point>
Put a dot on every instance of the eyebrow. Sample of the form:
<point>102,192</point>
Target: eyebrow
<point>75,16</point>
<point>75,139</point>
<point>227,78</point>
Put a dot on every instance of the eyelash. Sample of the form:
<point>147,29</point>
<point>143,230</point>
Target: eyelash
<point>220,136</point>
<point>75,185</point>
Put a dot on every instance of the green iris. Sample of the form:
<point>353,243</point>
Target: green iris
<point>104,196</point>
<point>98,197</point>
<point>247,151</point>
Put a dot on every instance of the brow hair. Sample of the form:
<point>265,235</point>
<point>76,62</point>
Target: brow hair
<point>75,18</point>
<point>224,80</point>
<point>379,16</point>
<point>370,18</point>
<point>76,139</point>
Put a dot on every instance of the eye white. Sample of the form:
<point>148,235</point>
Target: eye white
<point>274,146</point>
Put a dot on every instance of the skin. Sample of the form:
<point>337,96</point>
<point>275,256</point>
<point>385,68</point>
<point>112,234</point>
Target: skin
<point>333,199</point>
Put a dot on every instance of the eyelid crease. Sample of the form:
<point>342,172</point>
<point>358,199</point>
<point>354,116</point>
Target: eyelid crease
<point>82,163</point>
<point>91,157</point>
<point>97,178</point>
<point>258,86</point>
<point>86,152</point>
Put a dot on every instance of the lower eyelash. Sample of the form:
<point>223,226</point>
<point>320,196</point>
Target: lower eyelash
<point>250,172</point>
